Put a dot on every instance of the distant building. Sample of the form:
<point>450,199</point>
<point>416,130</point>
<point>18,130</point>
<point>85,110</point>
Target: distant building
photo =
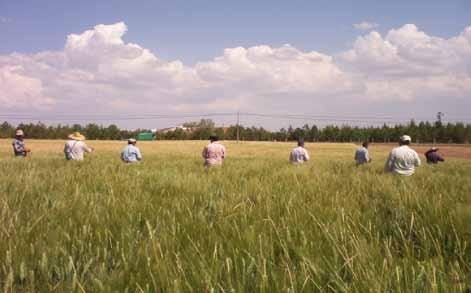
<point>170,129</point>
<point>146,136</point>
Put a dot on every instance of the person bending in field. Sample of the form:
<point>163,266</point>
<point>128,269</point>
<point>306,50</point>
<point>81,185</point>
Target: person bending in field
<point>433,157</point>
<point>362,155</point>
<point>75,147</point>
<point>402,160</point>
<point>131,153</point>
<point>214,153</point>
<point>299,154</point>
<point>19,148</point>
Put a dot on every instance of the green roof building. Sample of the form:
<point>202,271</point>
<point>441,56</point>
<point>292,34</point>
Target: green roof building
<point>145,136</point>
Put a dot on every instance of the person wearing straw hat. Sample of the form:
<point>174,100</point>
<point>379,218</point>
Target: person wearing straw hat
<point>19,148</point>
<point>214,153</point>
<point>402,160</point>
<point>131,153</point>
<point>299,154</point>
<point>433,157</point>
<point>75,147</point>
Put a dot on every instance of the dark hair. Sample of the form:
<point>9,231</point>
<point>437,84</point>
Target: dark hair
<point>301,142</point>
<point>213,137</point>
<point>404,142</point>
<point>365,144</point>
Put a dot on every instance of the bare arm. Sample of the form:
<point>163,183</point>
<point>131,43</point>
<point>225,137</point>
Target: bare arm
<point>389,163</point>
<point>138,155</point>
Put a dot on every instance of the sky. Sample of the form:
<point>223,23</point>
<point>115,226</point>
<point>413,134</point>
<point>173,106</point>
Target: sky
<point>140,63</point>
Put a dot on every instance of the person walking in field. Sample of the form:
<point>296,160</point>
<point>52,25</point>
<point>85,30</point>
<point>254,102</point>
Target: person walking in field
<point>299,154</point>
<point>402,160</point>
<point>19,148</point>
<point>75,147</point>
<point>362,155</point>
<point>213,153</point>
<point>433,157</point>
<point>131,153</point>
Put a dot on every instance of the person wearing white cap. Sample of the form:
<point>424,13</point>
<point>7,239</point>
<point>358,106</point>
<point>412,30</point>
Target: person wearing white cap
<point>131,153</point>
<point>402,160</point>
<point>19,148</point>
<point>75,147</point>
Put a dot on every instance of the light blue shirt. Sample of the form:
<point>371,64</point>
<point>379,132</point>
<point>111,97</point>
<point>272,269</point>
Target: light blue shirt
<point>131,154</point>
<point>362,156</point>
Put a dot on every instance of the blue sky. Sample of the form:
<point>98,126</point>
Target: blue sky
<point>399,59</point>
<point>198,30</point>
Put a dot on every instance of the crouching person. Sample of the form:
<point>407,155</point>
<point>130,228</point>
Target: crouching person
<point>214,153</point>
<point>433,157</point>
<point>75,147</point>
<point>131,153</point>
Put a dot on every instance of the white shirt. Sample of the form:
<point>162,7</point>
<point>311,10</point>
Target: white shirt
<point>74,150</point>
<point>299,155</point>
<point>402,160</point>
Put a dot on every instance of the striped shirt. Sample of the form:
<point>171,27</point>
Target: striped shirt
<point>19,147</point>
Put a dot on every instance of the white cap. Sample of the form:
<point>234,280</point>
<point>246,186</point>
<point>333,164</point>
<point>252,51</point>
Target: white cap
<point>405,138</point>
<point>131,140</point>
<point>19,132</point>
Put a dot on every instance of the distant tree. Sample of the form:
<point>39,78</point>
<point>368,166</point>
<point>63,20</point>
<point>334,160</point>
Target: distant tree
<point>6,130</point>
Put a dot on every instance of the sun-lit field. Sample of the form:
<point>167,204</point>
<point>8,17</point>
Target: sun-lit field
<point>258,224</point>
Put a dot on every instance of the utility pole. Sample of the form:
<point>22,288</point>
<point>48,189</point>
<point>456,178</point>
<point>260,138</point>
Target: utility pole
<point>439,118</point>
<point>238,126</point>
<point>438,126</point>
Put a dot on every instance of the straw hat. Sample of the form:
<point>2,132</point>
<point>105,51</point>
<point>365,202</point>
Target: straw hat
<point>131,140</point>
<point>19,132</point>
<point>76,136</point>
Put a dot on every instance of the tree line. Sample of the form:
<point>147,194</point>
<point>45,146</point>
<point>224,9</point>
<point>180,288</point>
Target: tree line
<point>422,132</point>
<point>91,131</point>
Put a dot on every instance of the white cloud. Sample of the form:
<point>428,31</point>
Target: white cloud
<point>98,71</point>
<point>408,64</point>
<point>365,25</point>
<point>21,91</point>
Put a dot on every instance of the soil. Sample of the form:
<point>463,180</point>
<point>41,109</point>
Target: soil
<point>446,150</point>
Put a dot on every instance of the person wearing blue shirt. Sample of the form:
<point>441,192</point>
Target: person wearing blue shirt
<point>362,155</point>
<point>131,154</point>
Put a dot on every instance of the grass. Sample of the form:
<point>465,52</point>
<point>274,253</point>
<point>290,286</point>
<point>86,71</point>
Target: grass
<point>258,224</point>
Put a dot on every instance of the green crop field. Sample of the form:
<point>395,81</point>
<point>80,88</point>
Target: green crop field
<point>258,224</point>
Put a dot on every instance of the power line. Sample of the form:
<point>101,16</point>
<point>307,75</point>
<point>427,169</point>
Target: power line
<point>306,117</point>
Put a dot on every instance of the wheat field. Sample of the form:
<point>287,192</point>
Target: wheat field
<point>258,224</point>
